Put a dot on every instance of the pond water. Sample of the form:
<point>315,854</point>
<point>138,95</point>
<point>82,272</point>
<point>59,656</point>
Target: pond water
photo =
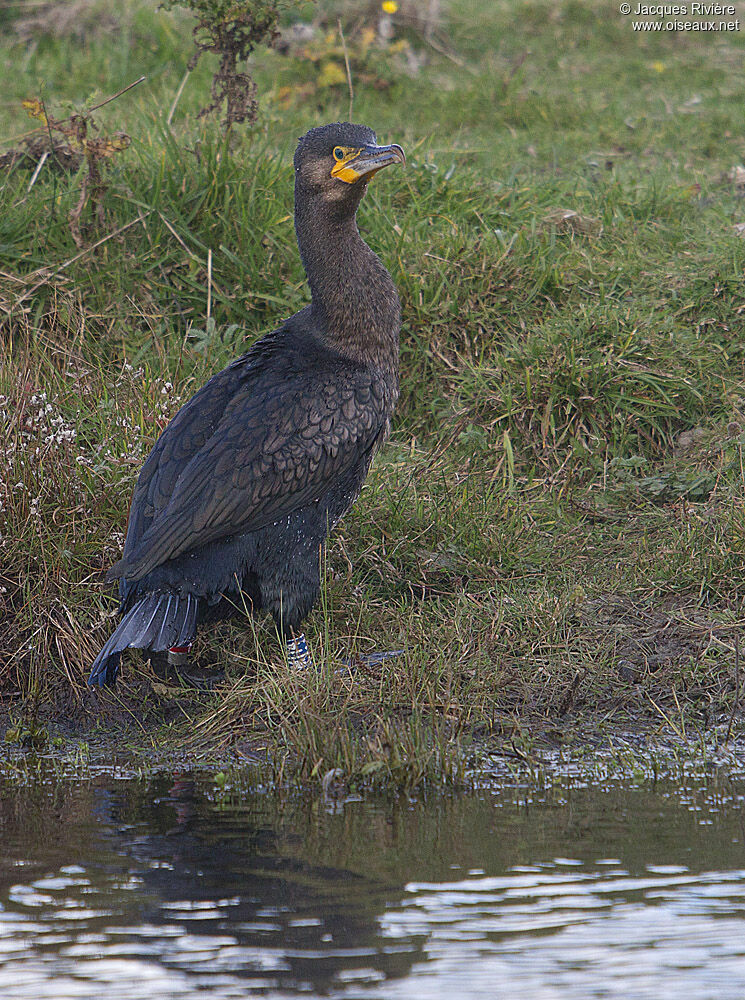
<point>113,886</point>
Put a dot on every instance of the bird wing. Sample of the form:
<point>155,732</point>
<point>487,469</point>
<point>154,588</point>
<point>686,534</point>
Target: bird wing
<point>280,444</point>
<point>185,436</point>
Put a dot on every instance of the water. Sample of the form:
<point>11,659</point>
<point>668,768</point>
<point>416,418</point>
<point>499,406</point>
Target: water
<point>172,887</point>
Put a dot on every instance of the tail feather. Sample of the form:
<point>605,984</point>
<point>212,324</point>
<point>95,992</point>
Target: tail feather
<point>141,621</point>
<point>156,622</point>
<point>154,626</point>
<point>181,622</point>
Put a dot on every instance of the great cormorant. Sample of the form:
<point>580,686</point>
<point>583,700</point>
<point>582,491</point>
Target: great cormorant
<point>242,487</point>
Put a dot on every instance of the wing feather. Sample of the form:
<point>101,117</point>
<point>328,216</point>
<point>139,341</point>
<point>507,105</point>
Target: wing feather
<point>282,440</point>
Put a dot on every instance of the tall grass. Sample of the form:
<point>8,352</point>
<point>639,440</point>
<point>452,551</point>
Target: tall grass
<point>536,534</point>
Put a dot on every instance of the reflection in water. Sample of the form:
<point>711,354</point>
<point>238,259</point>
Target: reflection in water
<point>144,889</point>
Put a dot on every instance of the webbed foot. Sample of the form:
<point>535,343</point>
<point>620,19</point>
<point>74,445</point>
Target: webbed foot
<point>369,659</point>
<point>176,667</point>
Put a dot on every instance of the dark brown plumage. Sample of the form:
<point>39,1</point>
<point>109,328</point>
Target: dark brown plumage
<point>242,487</point>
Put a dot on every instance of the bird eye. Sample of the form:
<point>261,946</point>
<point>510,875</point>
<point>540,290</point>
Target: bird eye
<point>338,153</point>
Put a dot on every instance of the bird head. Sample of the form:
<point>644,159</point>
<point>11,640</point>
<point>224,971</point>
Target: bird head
<point>335,162</point>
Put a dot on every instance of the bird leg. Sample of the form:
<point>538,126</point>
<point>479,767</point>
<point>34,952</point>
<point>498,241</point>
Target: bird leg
<point>175,666</point>
<point>178,656</point>
<point>298,654</point>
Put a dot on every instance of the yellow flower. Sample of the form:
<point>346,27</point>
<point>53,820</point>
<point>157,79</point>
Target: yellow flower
<point>389,6</point>
<point>331,75</point>
<point>658,67</point>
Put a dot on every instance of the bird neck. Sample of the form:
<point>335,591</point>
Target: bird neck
<point>354,300</point>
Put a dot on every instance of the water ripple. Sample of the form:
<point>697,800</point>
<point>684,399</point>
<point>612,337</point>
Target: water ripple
<point>567,901</point>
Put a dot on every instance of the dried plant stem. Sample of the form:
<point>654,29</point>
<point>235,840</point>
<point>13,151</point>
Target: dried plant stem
<point>68,263</point>
<point>736,701</point>
<point>88,111</point>
<point>117,94</point>
<point>209,283</point>
<point>37,171</point>
<point>349,71</point>
<point>177,98</point>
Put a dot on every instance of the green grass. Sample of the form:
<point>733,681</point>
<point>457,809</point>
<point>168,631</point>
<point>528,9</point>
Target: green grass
<point>537,534</point>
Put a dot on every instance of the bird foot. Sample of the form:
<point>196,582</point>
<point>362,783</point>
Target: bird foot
<point>197,678</point>
<point>369,659</point>
<point>176,668</point>
<point>299,657</point>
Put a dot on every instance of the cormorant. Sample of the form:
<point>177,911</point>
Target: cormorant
<point>242,487</point>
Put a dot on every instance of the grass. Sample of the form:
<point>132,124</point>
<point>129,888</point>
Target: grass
<point>554,532</point>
